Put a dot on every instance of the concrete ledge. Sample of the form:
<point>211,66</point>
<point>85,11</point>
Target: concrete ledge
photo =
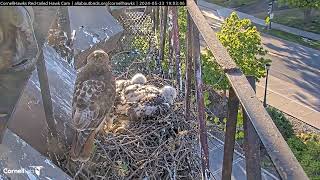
<point>17,155</point>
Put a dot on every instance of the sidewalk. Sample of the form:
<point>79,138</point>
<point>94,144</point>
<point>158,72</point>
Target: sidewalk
<point>284,102</point>
<point>238,165</point>
<point>225,12</point>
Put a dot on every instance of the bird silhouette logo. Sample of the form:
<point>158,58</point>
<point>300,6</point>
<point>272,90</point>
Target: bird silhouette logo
<point>37,169</point>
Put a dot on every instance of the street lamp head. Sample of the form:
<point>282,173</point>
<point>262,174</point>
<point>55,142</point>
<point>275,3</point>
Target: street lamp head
<point>268,66</point>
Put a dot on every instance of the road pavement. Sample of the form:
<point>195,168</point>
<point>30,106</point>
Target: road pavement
<point>225,12</point>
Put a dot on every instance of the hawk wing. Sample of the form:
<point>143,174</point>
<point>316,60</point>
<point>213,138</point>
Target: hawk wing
<point>89,111</point>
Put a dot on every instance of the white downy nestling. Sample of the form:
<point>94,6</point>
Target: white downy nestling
<point>139,101</point>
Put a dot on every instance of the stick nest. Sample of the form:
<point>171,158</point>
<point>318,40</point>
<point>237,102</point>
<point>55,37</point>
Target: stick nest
<point>165,147</point>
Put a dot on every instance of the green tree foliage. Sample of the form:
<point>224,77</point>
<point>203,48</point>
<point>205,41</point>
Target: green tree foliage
<point>212,73</point>
<point>306,5</point>
<point>243,43</point>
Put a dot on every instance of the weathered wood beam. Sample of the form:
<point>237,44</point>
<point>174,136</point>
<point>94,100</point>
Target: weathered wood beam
<point>251,144</point>
<point>189,63</point>
<point>229,140</point>
<point>200,103</point>
<point>163,34</point>
<point>176,43</point>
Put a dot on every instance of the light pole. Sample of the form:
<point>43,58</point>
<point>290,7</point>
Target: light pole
<point>265,87</point>
<point>270,12</point>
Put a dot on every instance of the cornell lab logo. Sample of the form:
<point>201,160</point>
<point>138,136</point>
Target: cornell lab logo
<point>34,169</point>
<point>37,169</point>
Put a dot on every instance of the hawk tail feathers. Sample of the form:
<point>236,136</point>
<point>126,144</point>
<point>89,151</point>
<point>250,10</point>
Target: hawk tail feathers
<point>81,147</point>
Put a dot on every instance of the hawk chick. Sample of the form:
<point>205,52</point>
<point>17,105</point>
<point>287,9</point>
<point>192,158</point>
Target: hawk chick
<point>140,101</point>
<point>169,94</point>
<point>122,84</point>
<point>136,79</point>
<point>93,100</point>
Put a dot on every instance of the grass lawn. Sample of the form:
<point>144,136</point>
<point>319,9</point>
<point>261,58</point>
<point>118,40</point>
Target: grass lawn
<point>294,18</point>
<point>291,37</point>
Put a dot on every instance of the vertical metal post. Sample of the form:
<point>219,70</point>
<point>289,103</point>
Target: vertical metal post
<point>252,144</point>
<point>45,92</point>
<point>233,105</point>
<point>189,63</point>
<point>157,18</point>
<point>270,12</point>
<point>64,21</point>
<point>153,18</point>
<point>46,17</point>
<point>265,89</point>
<point>200,103</point>
<point>160,17</point>
<point>53,138</point>
<point>163,33</point>
<point>176,43</point>
<point>171,51</point>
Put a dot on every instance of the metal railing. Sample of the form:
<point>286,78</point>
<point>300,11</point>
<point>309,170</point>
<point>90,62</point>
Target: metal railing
<point>258,125</point>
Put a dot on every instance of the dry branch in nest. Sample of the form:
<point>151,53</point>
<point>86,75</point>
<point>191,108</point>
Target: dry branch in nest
<point>165,147</point>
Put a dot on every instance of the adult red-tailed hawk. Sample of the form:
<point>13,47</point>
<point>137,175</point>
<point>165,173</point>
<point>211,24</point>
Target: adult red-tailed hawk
<point>94,96</point>
<point>140,101</point>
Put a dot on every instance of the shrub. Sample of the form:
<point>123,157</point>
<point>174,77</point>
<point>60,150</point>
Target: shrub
<point>281,122</point>
<point>307,151</point>
<point>305,147</point>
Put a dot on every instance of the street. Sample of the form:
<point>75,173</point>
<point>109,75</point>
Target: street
<point>297,65</point>
<point>294,77</point>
